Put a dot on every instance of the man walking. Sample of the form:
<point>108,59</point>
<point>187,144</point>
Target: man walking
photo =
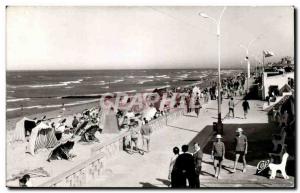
<point>173,172</point>
<point>246,107</point>
<point>198,155</point>
<point>197,106</point>
<point>185,167</point>
<point>146,132</point>
<point>241,148</point>
<point>218,155</point>
<point>231,107</point>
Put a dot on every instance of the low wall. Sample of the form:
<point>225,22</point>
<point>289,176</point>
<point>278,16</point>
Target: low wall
<point>92,168</point>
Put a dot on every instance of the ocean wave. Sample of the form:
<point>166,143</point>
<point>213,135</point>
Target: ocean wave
<point>17,99</point>
<point>127,91</point>
<point>60,84</point>
<point>52,106</point>
<point>143,81</point>
<point>117,81</point>
<point>163,76</point>
<point>105,87</point>
<point>183,76</point>
<point>101,83</point>
<point>10,86</point>
<point>149,76</point>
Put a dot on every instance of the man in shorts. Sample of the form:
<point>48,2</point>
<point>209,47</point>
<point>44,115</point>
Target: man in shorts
<point>135,131</point>
<point>146,132</point>
<point>241,148</point>
<point>231,107</point>
<point>218,155</point>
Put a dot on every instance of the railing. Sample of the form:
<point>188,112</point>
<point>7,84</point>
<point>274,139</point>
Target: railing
<point>79,175</point>
<point>91,169</point>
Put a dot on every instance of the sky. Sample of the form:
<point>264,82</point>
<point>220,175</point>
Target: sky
<point>67,38</point>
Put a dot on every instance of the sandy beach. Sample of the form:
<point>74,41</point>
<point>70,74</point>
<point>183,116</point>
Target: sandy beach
<point>16,164</point>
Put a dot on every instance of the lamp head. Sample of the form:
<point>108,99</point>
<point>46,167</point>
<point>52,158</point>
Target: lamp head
<point>203,15</point>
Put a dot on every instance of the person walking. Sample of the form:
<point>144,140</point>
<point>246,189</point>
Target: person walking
<point>197,106</point>
<point>231,107</point>
<point>198,156</point>
<point>146,132</point>
<point>218,155</point>
<point>246,107</point>
<point>241,148</point>
<point>134,131</point>
<point>75,122</point>
<point>186,168</point>
<point>173,172</point>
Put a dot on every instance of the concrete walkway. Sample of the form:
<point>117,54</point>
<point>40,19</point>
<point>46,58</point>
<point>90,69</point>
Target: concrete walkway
<point>151,170</point>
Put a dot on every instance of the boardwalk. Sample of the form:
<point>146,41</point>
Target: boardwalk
<point>151,170</point>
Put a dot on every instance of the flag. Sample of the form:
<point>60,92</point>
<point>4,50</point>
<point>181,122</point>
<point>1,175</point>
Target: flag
<point>268,53</point>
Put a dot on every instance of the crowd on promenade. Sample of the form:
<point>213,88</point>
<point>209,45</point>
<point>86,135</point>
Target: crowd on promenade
<point>186,167</point>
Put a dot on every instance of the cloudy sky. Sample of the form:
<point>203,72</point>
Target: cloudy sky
<point>142,37</point>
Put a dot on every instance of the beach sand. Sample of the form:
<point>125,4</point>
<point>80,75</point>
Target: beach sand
<point>17,160</point>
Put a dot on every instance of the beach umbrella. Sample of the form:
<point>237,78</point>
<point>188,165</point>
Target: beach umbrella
<point>61,151</point>
<point>89,134</point>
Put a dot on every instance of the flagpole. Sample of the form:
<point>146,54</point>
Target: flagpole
<point>263,62</point>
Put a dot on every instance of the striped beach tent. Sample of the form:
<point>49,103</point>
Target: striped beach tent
<point>25,124</point>
<point>42,136</point>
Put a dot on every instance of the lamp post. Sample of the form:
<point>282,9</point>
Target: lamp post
<point>247,59</point>
<point>218,24</point>
<point>257,65</point>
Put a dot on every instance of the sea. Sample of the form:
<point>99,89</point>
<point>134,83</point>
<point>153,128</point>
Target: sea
<point>36,91</point>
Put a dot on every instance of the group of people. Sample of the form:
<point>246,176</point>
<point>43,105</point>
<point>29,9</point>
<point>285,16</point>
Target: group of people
<point>139,131</point>
<point>231,106</point>
<point>185,167</point>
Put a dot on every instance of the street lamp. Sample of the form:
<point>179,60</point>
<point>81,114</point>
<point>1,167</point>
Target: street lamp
<point>258,63</point>
<point>247,59</point>
<point>218,24</point>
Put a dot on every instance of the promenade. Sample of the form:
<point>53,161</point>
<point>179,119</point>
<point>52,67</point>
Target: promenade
<point>151,169</point>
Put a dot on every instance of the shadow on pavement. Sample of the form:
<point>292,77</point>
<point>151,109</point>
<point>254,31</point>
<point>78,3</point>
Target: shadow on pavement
<point>148,185</point>
<point>259,142</point>
<point>165,182</point>
<point>182,128</point>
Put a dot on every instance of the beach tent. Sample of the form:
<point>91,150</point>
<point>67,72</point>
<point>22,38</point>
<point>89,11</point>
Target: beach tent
<point>80,127</point>
<point>111,124</point>
<point>149,113</point>
<point>42,136</point>
<point>61,151</point>
<point>22,126</point>
<point>89,134</point>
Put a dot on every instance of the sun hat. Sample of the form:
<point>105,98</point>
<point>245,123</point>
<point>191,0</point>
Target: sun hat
<point>219,136</point>
<point>239,130</point>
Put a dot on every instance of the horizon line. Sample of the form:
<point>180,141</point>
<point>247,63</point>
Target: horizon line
<point>233,68</point>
